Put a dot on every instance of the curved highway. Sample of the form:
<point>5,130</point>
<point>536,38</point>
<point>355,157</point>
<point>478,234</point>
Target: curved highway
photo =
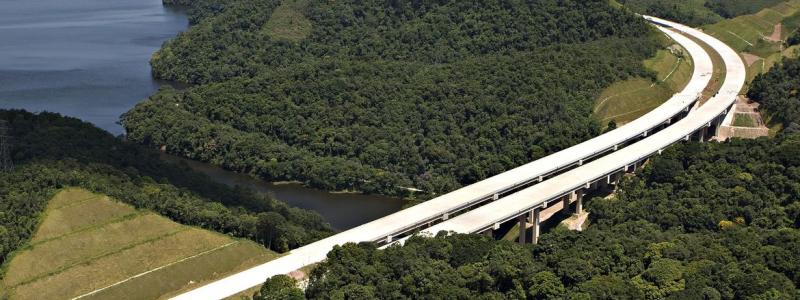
<point>556,188</point>
<point>495,188</point>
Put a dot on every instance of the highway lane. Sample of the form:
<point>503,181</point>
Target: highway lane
<point>436,209</point>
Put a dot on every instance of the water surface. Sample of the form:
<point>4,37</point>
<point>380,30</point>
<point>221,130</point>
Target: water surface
<point>342,211</point>
<point>81,58</point>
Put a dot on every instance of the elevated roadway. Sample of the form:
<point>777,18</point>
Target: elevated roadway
<point>527,204</point>
<point>492,190</point>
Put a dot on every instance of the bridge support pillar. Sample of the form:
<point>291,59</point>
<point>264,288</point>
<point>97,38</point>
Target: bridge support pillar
<point>535,228</point>
<point>566,200</point>
<point>523,228</point>
<point>579,202</point>
<point>702,134</point>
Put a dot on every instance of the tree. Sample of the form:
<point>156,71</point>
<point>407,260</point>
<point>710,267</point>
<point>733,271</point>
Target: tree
<point>279,287</point>
<point>546,285</point>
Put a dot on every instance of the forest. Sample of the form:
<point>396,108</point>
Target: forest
<point>380,96</point>
<point>702,221</point>
<point>776,91</point>
<point>51,152</point>
<point>696,13</point>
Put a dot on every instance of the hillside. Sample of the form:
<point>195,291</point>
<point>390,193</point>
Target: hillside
<point>377,96</point>
<point>629,99</point>
<point>777,91</point>
<point>93,247</point>
<point>698,12</point>
<point>52,152</point>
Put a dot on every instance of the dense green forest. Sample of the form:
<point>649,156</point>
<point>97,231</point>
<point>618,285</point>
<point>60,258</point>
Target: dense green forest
<point>51,152</point>
<point>378,95</point>
<point>699,12</point>
<point>777,92</point>
<point>702,221</point>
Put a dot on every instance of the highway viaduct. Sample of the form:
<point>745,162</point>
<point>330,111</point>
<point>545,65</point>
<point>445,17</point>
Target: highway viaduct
<point>522,193</point>
<point>526,206</point>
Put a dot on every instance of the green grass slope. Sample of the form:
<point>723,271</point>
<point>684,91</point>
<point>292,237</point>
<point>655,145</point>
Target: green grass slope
<point>93,247</point>
<point>626,100</point>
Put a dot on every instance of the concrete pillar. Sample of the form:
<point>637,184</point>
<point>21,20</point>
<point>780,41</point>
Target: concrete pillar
<point>566,203</point>
<point>702,134</point>
<point>495,197</point>
<point>535,228</point>
<point>523,228</point>
<point>445,216</point>
<point>579,202</point>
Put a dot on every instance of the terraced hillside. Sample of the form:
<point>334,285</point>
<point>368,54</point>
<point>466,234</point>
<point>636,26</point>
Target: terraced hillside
<point>91,246</point>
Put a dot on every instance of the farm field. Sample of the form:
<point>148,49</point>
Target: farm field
<point>90,246</point>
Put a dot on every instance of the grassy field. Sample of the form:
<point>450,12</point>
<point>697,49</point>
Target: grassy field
<point>744,120</point>
<point>93,247</point>
<point>749,34</point>
<point>288,23</point>
<point>627,100</point>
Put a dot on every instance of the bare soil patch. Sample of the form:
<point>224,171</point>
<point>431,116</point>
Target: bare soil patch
<point>776,33</point>
<point>750,58</point>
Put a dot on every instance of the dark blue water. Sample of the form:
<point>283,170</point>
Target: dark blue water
<point>82,58</point>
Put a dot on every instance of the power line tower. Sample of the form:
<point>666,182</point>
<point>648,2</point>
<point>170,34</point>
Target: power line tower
<point>5,148</point>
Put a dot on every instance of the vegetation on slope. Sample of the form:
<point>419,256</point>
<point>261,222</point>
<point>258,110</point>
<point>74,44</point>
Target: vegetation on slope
<point>761,37</point>
<point>382,95</point>
<point>777,92</point>
<point>703,221</point>
<point>698,12</point>
<point>91,243</point>
<point>52,152</point>
<point>627,100</point>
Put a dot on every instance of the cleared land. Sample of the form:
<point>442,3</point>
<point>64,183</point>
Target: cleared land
<point>627,100</point>
<point>287,22</point>
<point>760,37</point>
<point>744,120</point>
<point>93,247</point>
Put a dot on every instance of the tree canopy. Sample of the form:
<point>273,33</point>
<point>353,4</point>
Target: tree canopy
<point>776,91</point>
<point>383,95</point>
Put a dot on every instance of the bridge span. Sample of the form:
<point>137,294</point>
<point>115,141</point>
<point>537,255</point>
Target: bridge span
<point>527,204</point>
<point>460,210</point>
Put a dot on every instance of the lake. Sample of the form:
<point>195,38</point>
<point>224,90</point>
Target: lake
<point>82,58</point>
<point>89,59</point>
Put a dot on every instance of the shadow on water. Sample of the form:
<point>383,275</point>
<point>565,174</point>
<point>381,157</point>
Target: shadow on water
<point>342,210</point>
